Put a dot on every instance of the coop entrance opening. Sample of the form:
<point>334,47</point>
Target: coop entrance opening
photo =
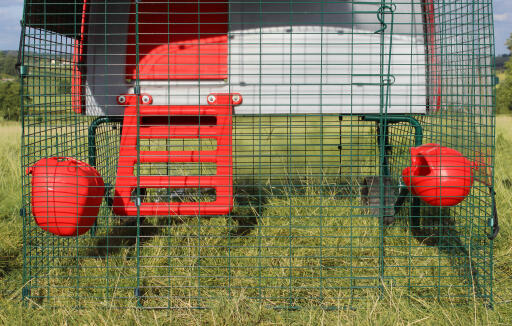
<point>184,40</point>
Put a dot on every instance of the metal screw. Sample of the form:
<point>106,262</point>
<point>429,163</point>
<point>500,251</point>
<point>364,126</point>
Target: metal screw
<point>145,99</point>
<point>211,98</point>
<point>121,99</point>
<point>236,98</point>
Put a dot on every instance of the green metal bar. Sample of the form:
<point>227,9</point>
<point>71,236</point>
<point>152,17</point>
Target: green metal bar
<point>418,140</point>
<point>25,293</point>
<point>137,92</point>
<point>91,136</point>
<point>418,129</point>
<point>93,154</point>
<point>384,93</point>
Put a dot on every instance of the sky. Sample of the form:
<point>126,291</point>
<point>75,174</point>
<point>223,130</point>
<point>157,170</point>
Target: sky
<point>502,24</point>
<point>11,11</point>
<point>10,16</point>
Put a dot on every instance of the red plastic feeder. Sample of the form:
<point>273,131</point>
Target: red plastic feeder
<point>440,176</point>
<point>66,195</point>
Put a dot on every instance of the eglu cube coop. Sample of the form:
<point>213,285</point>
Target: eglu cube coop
<point>177,153</point>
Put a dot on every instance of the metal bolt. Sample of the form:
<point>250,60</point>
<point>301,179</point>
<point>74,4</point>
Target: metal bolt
<point>211,98</point>
<point>236,98</point>
<point>121,99</point>
<point>146,99</point>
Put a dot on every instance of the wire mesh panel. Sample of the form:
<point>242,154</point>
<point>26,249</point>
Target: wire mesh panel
<point>178,153</point>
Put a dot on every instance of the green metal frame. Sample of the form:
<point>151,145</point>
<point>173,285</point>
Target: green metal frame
<point>91,135</point>
<point>304,233</point>
<point>91,138</point>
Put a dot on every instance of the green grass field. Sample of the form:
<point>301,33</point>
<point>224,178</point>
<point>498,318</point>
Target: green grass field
<point>394,308</point>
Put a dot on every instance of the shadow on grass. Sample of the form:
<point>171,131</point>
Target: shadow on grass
<point>249,203</point>
<point>435,227</point>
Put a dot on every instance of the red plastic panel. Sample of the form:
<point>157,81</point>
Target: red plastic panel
<point>186,39</point>
<point>77,75</point>
<point>66,195</point>
<point>222,181</point>
<point>434,76</point>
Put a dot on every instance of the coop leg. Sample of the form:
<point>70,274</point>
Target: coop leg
<point>384,172</point>
<point>383,145</point>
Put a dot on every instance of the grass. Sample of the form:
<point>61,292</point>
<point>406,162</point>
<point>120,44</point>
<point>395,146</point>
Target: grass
<point>392,308</point>
<point>10,226</point>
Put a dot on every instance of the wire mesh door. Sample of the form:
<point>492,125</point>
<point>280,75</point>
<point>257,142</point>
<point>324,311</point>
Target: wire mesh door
<point>183,152</point>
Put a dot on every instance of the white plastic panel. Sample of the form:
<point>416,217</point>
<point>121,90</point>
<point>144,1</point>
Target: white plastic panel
<point>301,69</point>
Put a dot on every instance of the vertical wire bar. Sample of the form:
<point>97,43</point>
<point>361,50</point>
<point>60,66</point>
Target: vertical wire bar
<point>449,85</point>
<point>138,197</point>
<point>107,218</point>
<point>321,136</point>
<point>380,131</point>
<point>77,239</point>
<point>26,275</point>
<point>233,152</point>
<point>351,172</point>
<point>199,220</point>
<point>260,153</point>
<point>168,148</point>
<point>492,144</point>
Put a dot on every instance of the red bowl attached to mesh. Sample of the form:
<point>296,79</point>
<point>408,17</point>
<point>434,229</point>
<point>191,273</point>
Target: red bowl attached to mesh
<point>440,176</point>
<point>66,195</point>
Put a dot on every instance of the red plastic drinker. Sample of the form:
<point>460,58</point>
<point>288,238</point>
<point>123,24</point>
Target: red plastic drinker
<point>66,195</point>
<point>440,176</point>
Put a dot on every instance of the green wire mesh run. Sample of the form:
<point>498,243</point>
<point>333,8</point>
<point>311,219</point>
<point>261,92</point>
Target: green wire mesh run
<point>335,94</point>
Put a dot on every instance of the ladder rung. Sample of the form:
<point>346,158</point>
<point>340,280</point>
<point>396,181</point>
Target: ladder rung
<point>214,208</point>
<point>176,181</point>
<point>182,110</point>
<point>182,132</point>
<point>178,156</point>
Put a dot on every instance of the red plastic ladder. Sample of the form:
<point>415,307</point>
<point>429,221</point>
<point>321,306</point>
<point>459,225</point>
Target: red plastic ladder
<point>219,110</point>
